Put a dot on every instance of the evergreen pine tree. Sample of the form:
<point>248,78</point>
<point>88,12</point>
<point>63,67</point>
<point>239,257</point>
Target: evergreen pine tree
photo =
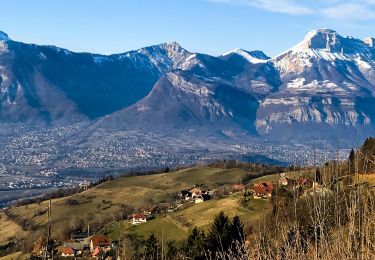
<point>171,250</point>
<point>195,244</point>
<point>237,230</point>
<point>237,234</point>
<point>151,247</point>
<point>219,237</point>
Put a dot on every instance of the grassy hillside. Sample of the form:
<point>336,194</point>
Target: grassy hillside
<point>105,201</point>
<point>177,225</point>
<point>16,256</point>
<point>201,215</point>
<point>9,229</point>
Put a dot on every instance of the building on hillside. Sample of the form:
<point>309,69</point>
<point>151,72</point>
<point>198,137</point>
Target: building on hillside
<point>262,190</point>
<point>185,194</point>
<point>102,242</point>
<point>77,247</point>
<point>202,198</point>
<point>198,199</point>
<point>154,209</point>
<point>283,180</point>
<point>68,251</point>
<point>304,182</point>
<point>195,192</point>
<point>138,219</point>
<point>98,253</point>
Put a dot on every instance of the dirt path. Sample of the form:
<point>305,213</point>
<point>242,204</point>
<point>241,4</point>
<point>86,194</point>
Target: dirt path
<point>177,223</point>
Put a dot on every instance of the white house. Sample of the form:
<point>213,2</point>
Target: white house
<point>198,199</point>
<point>138,219</point>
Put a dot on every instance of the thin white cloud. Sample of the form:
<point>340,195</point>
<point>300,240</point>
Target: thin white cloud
<point>277,6</point>
<point>349,11</point>
<point>340,10</point>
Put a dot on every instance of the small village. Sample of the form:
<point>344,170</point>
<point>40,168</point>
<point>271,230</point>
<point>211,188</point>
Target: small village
<point>100,246</point>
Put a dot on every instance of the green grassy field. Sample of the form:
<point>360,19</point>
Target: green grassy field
<point>105,200</point>
<point>162,227</point>
<point>177,224</point>
<point>201,215</point>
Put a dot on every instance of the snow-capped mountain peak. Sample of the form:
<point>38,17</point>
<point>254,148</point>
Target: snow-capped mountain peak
<point>327,46</point>
<point>326,39</point>
<point>329,41</point>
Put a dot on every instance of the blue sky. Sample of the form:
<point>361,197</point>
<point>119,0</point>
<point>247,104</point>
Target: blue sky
<point>209,26</point>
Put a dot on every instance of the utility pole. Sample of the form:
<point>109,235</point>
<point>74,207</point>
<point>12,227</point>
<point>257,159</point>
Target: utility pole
<point>314,161</point>
<point>162,238</point>
<point>48,246</point>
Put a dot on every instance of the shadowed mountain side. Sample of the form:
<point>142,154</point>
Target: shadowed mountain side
<point>182,100</point>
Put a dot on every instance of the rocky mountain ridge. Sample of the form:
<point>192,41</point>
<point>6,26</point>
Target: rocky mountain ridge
<point>322,88</point>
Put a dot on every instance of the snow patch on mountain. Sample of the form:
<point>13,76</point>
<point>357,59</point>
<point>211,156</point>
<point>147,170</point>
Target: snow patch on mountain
<point>369,41</point>
<point>252,57</point>
<point>188,87</point>
<point>100,58</point>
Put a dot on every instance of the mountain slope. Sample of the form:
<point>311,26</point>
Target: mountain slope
<point>321,88</point>
<point>181,100</point>
<point>327,83</point>
<point>212,94</point>
<point>46,83</point>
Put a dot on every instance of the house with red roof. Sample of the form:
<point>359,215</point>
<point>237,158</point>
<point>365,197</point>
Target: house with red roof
<point>98,252</point>
<point>102,242</point>
<point>138,219</point>
<point>68,251</point>
<point>263,190</point>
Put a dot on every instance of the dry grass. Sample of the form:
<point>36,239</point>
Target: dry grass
<point>9,229</point>
<point>275,177</point>
<point>16,256</point>
<point>369,178</point>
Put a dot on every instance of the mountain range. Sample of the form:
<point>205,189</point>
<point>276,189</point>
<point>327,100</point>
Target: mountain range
<point>322,88</point>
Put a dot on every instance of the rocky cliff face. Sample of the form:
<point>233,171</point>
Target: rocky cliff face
<point>327,80</point>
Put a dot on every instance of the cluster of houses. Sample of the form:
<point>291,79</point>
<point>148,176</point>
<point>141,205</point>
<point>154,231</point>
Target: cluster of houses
<point>97,246</point>
<point>196,195</point>
<point>264,189</point>
<point>149,212</point>
<point>296,183</point>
